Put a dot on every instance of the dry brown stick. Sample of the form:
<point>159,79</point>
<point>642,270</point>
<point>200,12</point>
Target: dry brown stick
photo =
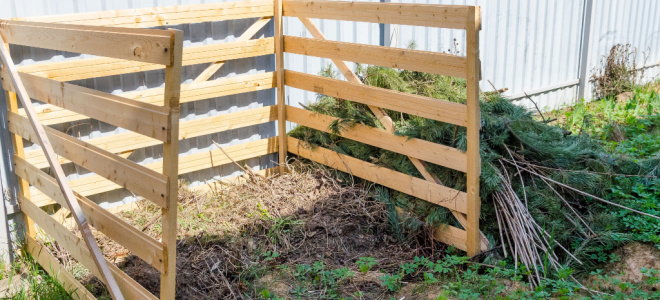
<point>589,195</point>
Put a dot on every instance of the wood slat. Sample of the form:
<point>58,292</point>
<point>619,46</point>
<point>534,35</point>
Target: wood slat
<point>440,110</point>
<point>413,60</point>
<point>152,185</point>
<point>76,248</point>
<point>435,153</point>
<point>145,118</point>
<point>144,45</point>
<point>451,235</point>
<point>445,16</point>
<point>126,142</point>
<point>165,15</point>
<point>142,245</point>
<point>416,187</point>
<point>226,86</point>
<point>473,128</point>
<point>101,66</point>
<point>94,184</point>
<point>49,263</point>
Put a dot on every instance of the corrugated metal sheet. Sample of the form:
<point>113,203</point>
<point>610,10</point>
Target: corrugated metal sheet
<point>194,34</point>
<point>526,46</point>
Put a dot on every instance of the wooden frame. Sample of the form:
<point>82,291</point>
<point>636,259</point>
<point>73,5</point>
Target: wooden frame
<point>158,122</point>
<point>463,205</point>
<point>151,116</point>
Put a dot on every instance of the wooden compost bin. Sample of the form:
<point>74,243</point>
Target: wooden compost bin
<point>121,46</point>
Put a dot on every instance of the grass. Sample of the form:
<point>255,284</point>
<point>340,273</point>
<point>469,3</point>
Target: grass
<point>30,281</point>
<point>250,238</point>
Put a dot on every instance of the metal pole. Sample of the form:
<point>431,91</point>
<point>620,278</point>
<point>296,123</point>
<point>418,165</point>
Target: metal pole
<point>584,47</point>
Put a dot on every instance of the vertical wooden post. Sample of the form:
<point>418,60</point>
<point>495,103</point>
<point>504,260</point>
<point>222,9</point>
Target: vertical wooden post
<point>171,168</point>
<point>19,151</point>
<point>279,71</point>
<point>473,127</point>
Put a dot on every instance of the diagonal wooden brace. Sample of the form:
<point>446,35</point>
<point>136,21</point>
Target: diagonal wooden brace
<point>67,192</point>
<point>387,122</point>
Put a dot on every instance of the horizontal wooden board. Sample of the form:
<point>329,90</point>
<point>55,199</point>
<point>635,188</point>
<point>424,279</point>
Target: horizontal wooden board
<point>101,66</point>
<point>79,251</point>
<point>440,110</point>
<point>144,45</point>
<point>413,60</point>
<point>427,151</point>
<point>94,184</point>
<point>152,185</point>
<point>445,16</point>
<point>126,142</point>
<point>52,266</point>
<point>165,15</point>
<point>141,117</point>
<point>140,244</point>
<point>225,86</point>
<point>456,237</point>
<point>417,187</point>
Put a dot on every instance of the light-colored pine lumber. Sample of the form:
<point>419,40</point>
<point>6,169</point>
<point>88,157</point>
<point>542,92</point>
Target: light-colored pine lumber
<point>445,16</point>
<point>455,236</point>
<point>171,169</point>
<point>103,66</point>
<point>152,185</point>
<point>165,15</point>
<point>71,201</point>
<point>385,120</point>
<point>246,36</point>
<point>413,60</point>
<point>130,114</point>
<point>126,142</point>
<point>279,69</point>
<point>139,243</point>
<point>94,184</point>
<point>75,289</point>
<point>424,150</point>
<point>145,45</point>
<point>473,127</point>
<point>19,151</point>
<point>416,187</point>
<point>76,248</point>
<point>440,110</point>
<point>191,92</point>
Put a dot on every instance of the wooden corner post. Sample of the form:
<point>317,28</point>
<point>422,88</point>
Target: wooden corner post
<point>279,73</point>
<point>473,127</point>
<point>171,167</point>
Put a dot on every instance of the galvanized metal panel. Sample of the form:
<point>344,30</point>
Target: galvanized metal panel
<point>526,46</point>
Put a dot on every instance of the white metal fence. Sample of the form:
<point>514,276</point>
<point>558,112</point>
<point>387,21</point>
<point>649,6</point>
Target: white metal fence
<point>543,48</point>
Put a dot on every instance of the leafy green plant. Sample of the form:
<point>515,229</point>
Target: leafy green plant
<point>318,277</point>
<point>365,264</point>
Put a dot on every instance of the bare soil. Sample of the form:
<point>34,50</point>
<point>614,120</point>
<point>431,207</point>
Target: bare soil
<point>234,240</point>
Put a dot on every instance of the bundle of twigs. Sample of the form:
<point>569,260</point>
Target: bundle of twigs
<point>521,236</point>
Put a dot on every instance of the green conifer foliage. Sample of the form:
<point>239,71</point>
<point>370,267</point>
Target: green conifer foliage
<point>577,161</point>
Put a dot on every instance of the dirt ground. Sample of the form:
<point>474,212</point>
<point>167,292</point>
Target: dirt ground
<point>239,239</point>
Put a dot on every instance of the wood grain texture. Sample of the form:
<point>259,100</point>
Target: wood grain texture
<point>140,244</point>
<point>444,111</point>
<point>145,45</point>
<point>473,139</point>
<point>76,248</point>
<point>152,185</point>
<point>413,60</point>
<point>416,187</point>
<point>445,16</point>
<point>145,118</point>
<point>165,15</point>
<point>420,149</point>
<point>103,66</point>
